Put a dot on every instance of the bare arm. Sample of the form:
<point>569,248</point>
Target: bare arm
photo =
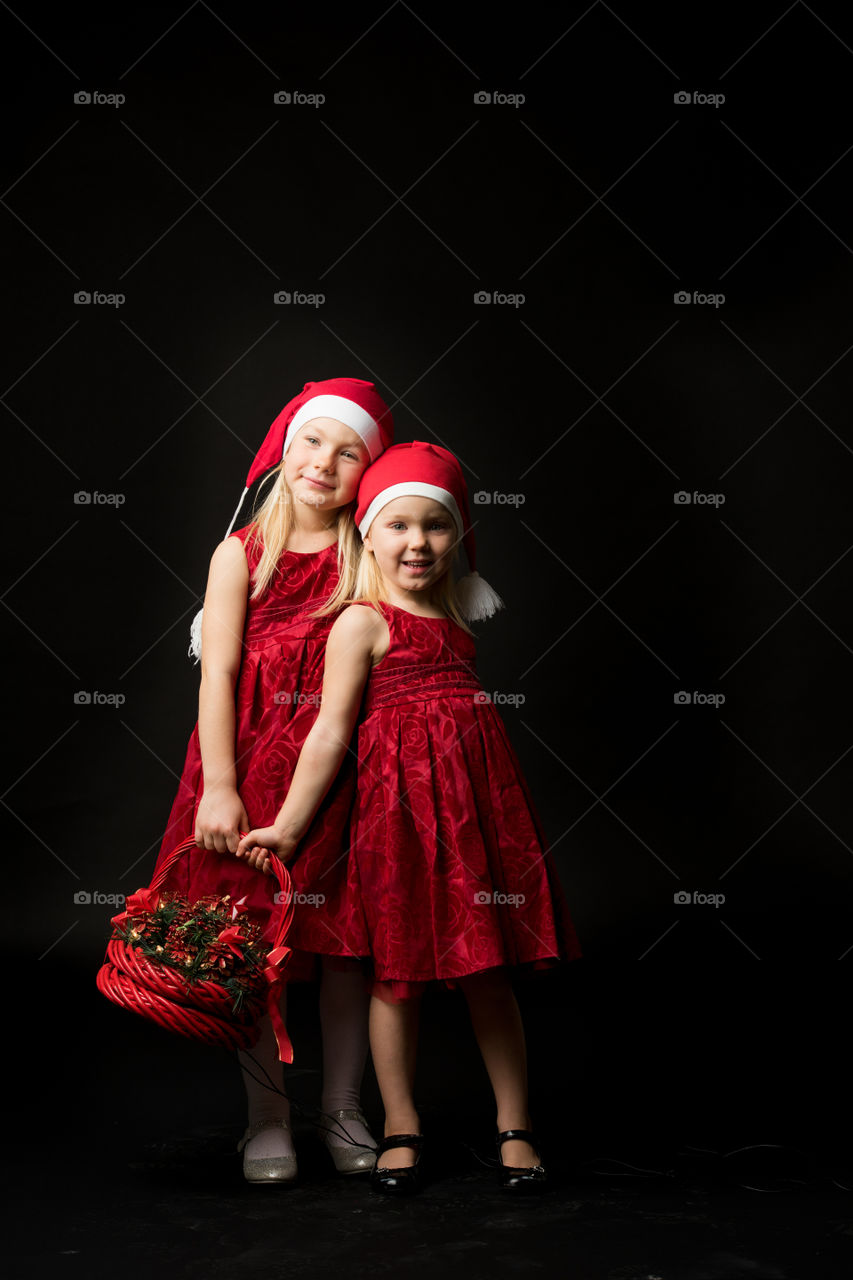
<point>221,814</point>
<point>350,650</point>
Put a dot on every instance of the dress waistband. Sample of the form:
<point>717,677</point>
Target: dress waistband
<point>419,682</point>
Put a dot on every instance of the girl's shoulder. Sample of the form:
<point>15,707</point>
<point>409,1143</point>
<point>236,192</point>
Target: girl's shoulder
<point>362,625</point>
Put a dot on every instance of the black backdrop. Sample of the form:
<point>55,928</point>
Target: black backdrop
<point>583,394</point>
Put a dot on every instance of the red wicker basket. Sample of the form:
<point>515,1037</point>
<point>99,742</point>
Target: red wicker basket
<point>201,1011</point>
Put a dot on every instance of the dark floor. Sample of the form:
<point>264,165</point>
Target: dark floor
<point>135,1172</point>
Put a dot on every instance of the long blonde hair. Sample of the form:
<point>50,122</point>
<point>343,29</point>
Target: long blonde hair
<point>367,587</point>
<point>273,523</point>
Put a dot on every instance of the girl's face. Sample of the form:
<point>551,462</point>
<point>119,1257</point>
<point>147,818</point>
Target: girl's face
<point>324,462</point>
<point>412,540</point>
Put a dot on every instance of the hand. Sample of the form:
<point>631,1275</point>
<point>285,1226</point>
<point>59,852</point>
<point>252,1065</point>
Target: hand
<point>256,847</point>
<point>220,819</point>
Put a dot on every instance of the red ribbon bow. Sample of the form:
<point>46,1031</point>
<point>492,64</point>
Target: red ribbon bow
<point>274,972</point>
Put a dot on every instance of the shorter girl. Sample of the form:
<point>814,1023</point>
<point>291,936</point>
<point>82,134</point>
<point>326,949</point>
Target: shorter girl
<point>447,852</point>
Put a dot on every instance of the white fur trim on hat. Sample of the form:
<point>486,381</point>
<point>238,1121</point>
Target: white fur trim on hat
<point>413,489</point>
<point>346,411</point>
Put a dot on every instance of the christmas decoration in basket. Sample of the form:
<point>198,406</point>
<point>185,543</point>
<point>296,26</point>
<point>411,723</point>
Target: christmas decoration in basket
<point>201,969</point>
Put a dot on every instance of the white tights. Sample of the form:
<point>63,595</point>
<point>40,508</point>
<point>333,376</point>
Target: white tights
<point>343,1022</point>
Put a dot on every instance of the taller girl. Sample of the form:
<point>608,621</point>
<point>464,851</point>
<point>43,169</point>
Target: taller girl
<point>261,653</point>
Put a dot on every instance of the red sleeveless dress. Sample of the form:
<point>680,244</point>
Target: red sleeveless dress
<point>277,698</point>
<point>453,869</point>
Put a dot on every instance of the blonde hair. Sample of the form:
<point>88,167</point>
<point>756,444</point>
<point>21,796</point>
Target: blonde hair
<point>273,523</point>
<point>368,587</point>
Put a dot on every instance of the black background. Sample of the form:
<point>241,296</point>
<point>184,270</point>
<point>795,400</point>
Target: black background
<point>596,400</point>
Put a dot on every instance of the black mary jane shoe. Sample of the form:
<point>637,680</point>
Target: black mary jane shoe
<point>398,1182</point>
<point>533,1178</point>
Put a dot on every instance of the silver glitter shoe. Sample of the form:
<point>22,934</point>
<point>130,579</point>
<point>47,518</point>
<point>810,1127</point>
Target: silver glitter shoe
<point>349,1158</point>
<point>266,1169</point>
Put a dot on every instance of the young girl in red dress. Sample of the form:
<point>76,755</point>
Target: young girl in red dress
<point>261,648</point>
<point>447,853</point>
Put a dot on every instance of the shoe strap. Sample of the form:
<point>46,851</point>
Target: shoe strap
<point>523,1135</point>
<point>400,1140</point>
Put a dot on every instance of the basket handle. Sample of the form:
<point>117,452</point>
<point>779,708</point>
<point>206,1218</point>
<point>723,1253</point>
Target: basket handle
<point>278,954</point>
<point>280,872</point>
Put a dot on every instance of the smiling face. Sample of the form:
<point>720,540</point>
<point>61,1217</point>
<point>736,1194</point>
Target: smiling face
<point>324,463</point>
<point>412,540</point>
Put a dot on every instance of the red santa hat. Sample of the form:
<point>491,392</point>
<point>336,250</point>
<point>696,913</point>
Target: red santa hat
<point>423,470</point>
<point>355,403</point>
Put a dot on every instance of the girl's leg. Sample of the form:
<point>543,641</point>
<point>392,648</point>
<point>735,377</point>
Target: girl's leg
<point>393,1044</point>
<point>497,1024</point>
<point>264,1103</point>
<point>343,1018</point>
